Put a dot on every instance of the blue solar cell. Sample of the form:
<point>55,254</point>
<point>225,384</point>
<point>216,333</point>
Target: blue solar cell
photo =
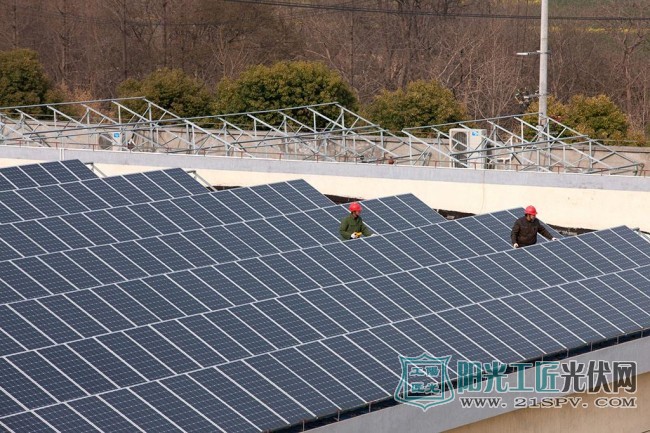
<point>348,375</point>
<point>106,362</point>
<point>357,305</point>
<point>134,223</point>
<point>259,387</point>
<point>45,275</point>
<point>45,321</point>
<point>394,220</point>
<point>319,379</point>
<point>191,207</point>
<point>267,276</point>
<point>462,334</point>
<point>486,234</point>
<point>21,330</point>
<point>142,257</point>
<point>209,405</point>
<point>189,343</point>
<point>119,262</point>
<point>377,299</point>
<point>237,330</point>
<point>312,315</point>
<point>102,415</point>
<point>138,412</point>
<point>93,265</point>
<point>78,370</point>
<point>176,215</point>
<point>100,310</point>
<point>174,409</point>
<point>234,246</point>
<point>136,357</point>
<point>186,181</point>
<point>215,338</point>
<point>310,192</point>
<point>45,375</point>
<point>328,305</point>
<point>176,294</point>
<point>289,321</point>
<point>152,301</point>
<point>79,169</point>
<point>17,239</point>
<point>201,291</point>
<point>387,249</point>
<point>409,247</point>
<point>503,332</point>
<point>235,273</point>
<point>281,241</point>
<point>164,351</point>
<point>399,296</point>
<point>5,185</point>
<point>149,188</point>
<point>479,278</point>
<point>640,256</point>
<point>414,218</point>
<point>618,257</point>
<point>106,193</point>
<point>334,265</point>
<point>8,345</point>
<point>38,173</point>
<point>209,246</point>
<point>281,203</point>
<point>291,273</point>
<point>164,253</point>
<point>294,196</point>
<point>126,189</point>
<point>73,316</point>
<point>25,422</point>
<point>169,185</point>
<point>420,207</point>
<point>125,305</point>
<point>19,206</point>
<point>464,236</point>
<point>292,384</point>
<point>18,177</point>
<point>21,388</point>
<point>89,229</point>
<point>112,226</point>
<point>85,196</point>
<point>419,291</point>
<point>64,199</point>
<point>261,206</point>
<point>42,236</point>
<point>246,235</point>
<point>187,250</point>
<point>7,294</point>
<point>223,286</point>
<point>58,172</point>
<point>7,215</point>
<point>444,290</point>
<point>363,362</point>
<point>316,272</point>
<point>40,201</point>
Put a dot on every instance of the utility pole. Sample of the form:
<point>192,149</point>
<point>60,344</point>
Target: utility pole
<point>543,68</point>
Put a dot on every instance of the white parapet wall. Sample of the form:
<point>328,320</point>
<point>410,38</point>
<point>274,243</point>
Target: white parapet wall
<point>567,200</point>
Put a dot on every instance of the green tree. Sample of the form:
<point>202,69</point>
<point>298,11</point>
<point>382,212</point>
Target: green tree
<point>23,80</point>
<point>172,89</point>
<point>598,117</point>
<point>422,103</point>
<point>284,85</point>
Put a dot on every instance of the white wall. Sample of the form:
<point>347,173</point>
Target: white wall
<point>568,200</point>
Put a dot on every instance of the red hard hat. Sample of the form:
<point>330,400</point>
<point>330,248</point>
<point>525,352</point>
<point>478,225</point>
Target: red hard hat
<point>530,210</point>
<point>355,207</point>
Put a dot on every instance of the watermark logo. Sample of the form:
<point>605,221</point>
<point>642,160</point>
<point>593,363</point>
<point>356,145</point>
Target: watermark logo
<point>425,381</point>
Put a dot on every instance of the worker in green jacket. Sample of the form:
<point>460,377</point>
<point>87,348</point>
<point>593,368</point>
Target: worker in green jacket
<point>352,226</point>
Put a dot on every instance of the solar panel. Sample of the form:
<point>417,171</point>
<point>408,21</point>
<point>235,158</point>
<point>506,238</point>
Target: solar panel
<point>287,309</point>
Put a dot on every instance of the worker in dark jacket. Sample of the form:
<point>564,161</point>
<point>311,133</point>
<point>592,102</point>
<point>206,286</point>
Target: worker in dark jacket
<point>352,226</point>
<point>524,232</point>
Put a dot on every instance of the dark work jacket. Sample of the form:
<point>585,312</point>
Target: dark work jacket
<point>524,232</point>
<point>349,225</point>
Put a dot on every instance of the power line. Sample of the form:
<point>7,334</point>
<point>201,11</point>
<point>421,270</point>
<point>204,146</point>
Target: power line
<point>338,8</point>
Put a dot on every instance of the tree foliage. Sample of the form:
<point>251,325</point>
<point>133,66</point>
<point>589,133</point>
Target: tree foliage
<point>173,90</point>
<point>283,85</point>
<point>422,103</point>
<point>22,79</point>
<point>598,117</point>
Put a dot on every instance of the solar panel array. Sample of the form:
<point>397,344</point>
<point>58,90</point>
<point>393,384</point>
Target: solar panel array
<point>241,310</point>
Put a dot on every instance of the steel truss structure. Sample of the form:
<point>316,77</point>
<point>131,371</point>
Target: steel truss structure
<point>513,143</point>
<point>321,132</point>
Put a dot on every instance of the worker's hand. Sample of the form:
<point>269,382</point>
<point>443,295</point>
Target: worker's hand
<point>359,234</point>
<point>354,235</point>
<point>515,245</point>
<point>553,239</point>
